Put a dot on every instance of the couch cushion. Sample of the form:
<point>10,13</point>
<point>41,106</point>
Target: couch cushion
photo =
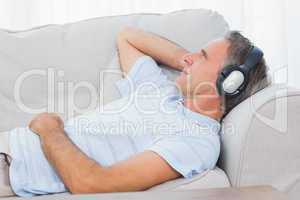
<point>209,179</point>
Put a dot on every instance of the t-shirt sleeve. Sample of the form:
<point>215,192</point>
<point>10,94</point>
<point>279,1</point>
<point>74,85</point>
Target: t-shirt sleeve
<point>188,155</point>
<point>144,73</point>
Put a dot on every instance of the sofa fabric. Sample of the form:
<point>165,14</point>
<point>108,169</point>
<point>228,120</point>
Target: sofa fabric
<point>71,68</point>
<point>210,179</point>
<point>260,140</point>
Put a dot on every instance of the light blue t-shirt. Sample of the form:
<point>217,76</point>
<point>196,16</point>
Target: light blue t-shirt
<point>150,116</point>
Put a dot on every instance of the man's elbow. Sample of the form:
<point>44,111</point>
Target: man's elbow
<point>81,187</point>
<point>126,32</point>
<point>122,33</point>
<point>88,185</point>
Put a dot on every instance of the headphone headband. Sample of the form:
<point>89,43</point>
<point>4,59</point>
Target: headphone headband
<point>253,58</point>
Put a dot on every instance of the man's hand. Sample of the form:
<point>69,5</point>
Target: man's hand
<point>46,124</point>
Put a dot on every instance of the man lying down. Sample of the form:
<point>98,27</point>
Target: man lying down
<point>161,130</point>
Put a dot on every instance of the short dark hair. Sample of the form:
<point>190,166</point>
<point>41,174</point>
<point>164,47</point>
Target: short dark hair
<point>238,50</point>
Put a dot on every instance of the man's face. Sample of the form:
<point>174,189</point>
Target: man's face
<point>201,69</point>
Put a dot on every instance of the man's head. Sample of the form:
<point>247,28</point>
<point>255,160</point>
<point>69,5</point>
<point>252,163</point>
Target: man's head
<point>202,68</point>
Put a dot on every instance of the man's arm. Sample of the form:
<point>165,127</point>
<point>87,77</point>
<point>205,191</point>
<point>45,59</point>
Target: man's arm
<point>81,174</point>
<point>134,42</point>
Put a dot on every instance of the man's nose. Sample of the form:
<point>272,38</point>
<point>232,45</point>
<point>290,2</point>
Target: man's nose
<point>188,60</point>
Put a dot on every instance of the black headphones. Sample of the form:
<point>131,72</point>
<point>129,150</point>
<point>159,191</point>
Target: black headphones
<point>234,78</point>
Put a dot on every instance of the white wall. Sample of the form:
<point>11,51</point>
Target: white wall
<point>293,42</point>
<point>23,14</point>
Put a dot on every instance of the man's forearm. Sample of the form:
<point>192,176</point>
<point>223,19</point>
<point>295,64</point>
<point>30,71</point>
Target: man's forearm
<point>82,174</point>
<point>71,164</point>
<point>161,49</point>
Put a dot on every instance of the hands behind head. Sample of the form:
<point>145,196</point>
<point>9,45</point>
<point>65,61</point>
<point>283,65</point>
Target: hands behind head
<point>45,124</point>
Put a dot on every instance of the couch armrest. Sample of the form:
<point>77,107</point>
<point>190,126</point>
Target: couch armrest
<point>261,140</point>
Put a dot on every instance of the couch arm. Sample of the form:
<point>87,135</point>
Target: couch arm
<point>261,140</point>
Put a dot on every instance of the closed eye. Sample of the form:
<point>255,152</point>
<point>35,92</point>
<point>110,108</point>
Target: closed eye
<point>204,54</point>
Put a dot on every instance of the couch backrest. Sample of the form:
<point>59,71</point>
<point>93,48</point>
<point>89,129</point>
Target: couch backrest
<point>260,139</point>
<point>58,66</point>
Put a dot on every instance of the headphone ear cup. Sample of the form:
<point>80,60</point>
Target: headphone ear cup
<point>234,78</point>
<point>222,76</point>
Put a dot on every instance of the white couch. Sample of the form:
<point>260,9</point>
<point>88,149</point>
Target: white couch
<point>260,137</point>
